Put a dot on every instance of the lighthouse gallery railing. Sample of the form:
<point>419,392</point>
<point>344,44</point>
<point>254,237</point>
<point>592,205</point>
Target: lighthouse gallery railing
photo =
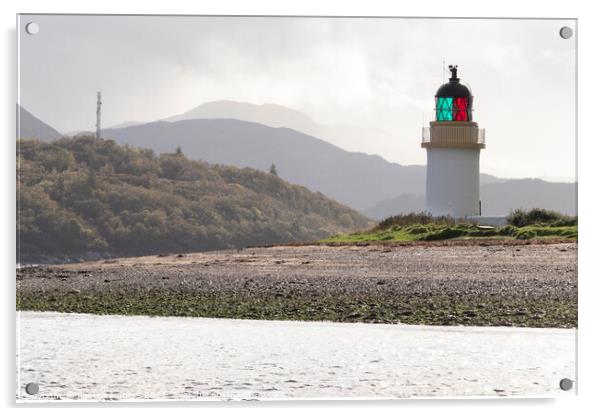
<point>451,134</point>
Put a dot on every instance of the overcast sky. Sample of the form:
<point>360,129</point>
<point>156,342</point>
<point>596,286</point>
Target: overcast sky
<point>373,73</point>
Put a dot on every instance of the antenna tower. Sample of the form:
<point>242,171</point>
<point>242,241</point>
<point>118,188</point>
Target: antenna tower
<point>98,104</point>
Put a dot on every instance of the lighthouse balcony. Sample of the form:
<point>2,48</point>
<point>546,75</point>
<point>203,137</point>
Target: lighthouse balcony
<point>453,134</point>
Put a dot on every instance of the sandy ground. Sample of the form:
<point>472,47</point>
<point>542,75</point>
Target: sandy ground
<point>455,284</point>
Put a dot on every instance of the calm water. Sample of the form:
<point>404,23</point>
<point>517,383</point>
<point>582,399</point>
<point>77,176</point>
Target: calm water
<point>88,357</point>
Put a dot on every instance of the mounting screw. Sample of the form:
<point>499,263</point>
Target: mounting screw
<point>32,28</point>
<point>566,32</point>
<point>32,388</point>
<point>566,384</point>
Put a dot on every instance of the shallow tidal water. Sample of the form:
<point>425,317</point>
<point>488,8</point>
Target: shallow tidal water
<point>92,357</point>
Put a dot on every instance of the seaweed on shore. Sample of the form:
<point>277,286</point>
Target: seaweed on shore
<point>405,309</point>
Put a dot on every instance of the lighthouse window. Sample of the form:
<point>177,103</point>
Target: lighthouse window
<point>460,109</point>
<point>444,108</point>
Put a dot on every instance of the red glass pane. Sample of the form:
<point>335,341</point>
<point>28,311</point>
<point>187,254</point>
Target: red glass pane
<point>460,109</point>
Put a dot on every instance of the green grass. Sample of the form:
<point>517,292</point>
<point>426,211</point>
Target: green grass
<point>439,231</point>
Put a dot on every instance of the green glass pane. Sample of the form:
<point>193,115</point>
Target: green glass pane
<point>444,108</point>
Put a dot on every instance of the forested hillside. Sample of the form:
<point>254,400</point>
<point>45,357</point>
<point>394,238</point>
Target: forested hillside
<point>86,195</point>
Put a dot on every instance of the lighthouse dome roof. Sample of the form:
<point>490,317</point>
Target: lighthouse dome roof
<point>454,88</point>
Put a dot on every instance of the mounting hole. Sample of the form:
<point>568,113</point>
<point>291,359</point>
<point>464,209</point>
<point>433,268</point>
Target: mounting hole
<point>32,28</point>
<point>566,384</point>
<point>566,32</point>
<point>32,388</point>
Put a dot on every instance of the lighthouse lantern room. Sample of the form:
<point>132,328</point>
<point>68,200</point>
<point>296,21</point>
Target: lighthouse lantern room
<point>453,144</point>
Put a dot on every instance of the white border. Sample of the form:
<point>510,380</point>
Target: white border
<point>589,152</point>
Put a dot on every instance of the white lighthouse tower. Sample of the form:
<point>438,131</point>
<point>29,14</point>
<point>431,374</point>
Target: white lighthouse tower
<point>453,145</point>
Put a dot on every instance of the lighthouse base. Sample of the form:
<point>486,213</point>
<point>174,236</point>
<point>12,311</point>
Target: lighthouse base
<point>452,182</point>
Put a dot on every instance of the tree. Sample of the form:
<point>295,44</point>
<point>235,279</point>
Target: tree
<point>172,166</point>
<point>91,180</point>
<point>273,170</point>
<point>179,150</point>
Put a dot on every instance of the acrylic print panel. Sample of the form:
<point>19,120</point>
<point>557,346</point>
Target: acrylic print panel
<point>243,208</point>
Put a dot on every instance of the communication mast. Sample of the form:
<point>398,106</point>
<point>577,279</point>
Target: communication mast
<point>98,104</point>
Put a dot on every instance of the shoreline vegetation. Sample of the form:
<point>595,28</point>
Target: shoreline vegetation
<point>408,310</point>
<point>537,224</point>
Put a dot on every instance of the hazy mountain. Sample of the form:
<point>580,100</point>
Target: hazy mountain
<point>355,179</point>
<point>361,181</point>
<point>487,178</point>
<point>85,195</point>
<point>31,127</point>
<point>498,199</point>
<point>349,137</point>
<point>126,124</point>
<point>272,115</point>
<point>402,204</point>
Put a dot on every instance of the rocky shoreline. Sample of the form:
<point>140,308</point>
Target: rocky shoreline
<point>484,284</point>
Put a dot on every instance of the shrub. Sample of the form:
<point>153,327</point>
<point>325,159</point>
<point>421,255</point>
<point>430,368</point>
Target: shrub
<point>521,218</point>
<point>444,234</point>
<point>567,222</point>
<point>483,233</point>
<point>508,230</point>
<point>416,229</point>
<point>414,218</point>
<point>525,234</point>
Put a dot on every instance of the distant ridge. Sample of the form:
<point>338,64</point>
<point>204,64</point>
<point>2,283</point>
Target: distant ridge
<point>31,127</point>
<point>364,182</point>
<point>498,199</point>
<point>349,137</point>
<point>272,115</point>
<point>354,179</point>
<point>126,124</point>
